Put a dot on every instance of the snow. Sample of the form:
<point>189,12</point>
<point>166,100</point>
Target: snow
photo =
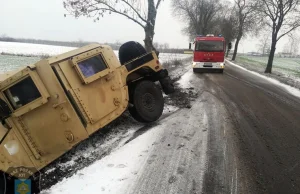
<point>32,49</point>
<point>50,170</point>
<point>40,50</point>
<point>184,81</point>
<point>285,67</point>
<point>291,90</point>
<point>170,109</point>
<point>169,57</point>
<point>114,173</point>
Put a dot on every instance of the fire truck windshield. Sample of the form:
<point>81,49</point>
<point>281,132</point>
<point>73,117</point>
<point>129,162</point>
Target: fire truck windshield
<point>209,46</point>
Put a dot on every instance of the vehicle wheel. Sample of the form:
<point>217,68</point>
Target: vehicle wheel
<point>221,71</point>
<point>2,183</point>
<point>130,50</point>
<point>196,70</point>
<point>148,102</point>
<point>135,115</point>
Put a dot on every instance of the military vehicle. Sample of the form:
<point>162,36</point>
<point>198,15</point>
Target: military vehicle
<point>50,106</point>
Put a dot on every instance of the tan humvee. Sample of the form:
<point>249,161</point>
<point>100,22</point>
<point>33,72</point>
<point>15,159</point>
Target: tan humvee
<point>48,107</point>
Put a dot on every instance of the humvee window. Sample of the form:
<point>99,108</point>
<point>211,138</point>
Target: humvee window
<point>92,66</point>
<point>22,93</point>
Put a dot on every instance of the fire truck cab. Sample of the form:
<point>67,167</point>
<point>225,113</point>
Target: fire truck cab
<point>209,53</point>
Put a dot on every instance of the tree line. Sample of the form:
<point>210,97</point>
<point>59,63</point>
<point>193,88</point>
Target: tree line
<point>233,20</point>
<point>273,19</point>
<point>162,47</point>
<point>79,43</point>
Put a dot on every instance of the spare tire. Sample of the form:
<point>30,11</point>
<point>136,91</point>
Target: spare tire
<point>130,50</point>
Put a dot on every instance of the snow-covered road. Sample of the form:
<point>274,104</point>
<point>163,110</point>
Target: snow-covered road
<point>239,136</point>
<point>181,154</point>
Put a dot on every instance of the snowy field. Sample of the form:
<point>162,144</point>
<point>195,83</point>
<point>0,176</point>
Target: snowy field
<point>291,90</point>
<point>36,50</point>
<point>290,67</point>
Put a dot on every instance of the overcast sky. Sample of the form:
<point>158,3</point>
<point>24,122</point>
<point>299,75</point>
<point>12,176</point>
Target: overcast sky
<point>44,19</point>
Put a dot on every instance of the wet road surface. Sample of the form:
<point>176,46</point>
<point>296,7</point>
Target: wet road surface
<point>242,135</point>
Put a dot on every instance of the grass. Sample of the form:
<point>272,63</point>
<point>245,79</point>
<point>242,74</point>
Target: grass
<point>44,56</point>
<point>243,59</point>
<point>287,66</point>
<point>12,62</point>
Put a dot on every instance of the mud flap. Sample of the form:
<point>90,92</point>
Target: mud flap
<point>165,82</point>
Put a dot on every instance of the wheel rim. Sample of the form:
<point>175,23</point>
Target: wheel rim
<point>148,101</point>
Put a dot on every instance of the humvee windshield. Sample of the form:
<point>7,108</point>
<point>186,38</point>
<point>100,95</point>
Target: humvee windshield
<point>22,93</point>
<point>209,46</point>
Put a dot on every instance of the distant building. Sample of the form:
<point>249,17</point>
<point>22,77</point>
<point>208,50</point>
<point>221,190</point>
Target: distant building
<point>254,54</point>
<point>285,55</point>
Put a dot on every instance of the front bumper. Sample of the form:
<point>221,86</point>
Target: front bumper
<point>208,65</point>
<point>165,81</point>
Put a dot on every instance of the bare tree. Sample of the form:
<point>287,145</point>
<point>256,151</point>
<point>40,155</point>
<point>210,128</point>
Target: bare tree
<point>227,27</point>
<point>293,43</point>
<point>247,19</point>
<point>282,16</point>
<point>166,45</point>
<point>200,15</point>
<point>142,13</point>
<point>264,44</point>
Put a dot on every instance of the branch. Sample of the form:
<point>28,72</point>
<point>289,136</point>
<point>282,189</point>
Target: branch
<point>158,3</point>
<point>134,10</point>
<point>293,28</point>
<point>270,12</point>
<point>120,13</point>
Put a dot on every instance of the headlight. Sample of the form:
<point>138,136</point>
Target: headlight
<point>194,64</point>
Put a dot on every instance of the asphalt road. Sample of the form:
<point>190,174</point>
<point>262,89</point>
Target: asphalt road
<point>241,135</point>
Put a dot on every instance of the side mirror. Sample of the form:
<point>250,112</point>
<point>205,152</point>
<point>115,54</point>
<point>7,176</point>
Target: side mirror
<point>190,46</point>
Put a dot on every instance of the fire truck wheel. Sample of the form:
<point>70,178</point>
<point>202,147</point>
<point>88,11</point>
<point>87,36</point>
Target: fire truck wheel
<point>130,50</point>
<point>148,102</point>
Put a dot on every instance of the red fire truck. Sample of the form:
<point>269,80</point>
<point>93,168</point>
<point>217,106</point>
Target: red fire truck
<point>209,53</point>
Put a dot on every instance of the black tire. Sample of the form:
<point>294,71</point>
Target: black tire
<point>2,182</point>
<point>135,115</point>
<point>130,50</point>
<point>222,70</point>
<point>195,70</point>
<point>148,102</point>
